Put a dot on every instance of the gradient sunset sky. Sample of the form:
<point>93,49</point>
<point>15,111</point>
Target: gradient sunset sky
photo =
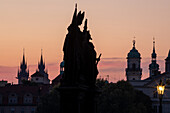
<point>36,24</point>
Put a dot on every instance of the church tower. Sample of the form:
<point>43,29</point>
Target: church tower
<point>167,63</point>
<point>133,70</point>
<point>23,73</point>
<point>154,67</point>
<point>41,66</point>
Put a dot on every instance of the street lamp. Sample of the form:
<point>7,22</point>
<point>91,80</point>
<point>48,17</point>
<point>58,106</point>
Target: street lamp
<point>160,90</point>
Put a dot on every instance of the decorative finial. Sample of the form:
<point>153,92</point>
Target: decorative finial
<point>153,44</point>
<point>134,41</point>
<point>76,6</point>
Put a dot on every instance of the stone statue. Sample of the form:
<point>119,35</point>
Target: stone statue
<point>77,89</point>
<point>79,55</point>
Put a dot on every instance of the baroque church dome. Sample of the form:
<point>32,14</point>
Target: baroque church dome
<point>133,52</point>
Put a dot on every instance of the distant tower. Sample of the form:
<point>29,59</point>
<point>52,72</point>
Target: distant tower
<point>154,67</point>
<point>167,63</point>
<point>40,76</point>
<point>23,73</point>
<point>41,66</point>
<point>133,70</point>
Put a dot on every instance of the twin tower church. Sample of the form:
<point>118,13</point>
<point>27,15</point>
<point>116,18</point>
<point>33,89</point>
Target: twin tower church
<point>40,76</point>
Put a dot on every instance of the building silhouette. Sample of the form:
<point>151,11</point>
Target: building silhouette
<point>148,85</point>
<point>25,96</point>
<point>133,70</point>
<point>40,76</point>
<point>23,72</point>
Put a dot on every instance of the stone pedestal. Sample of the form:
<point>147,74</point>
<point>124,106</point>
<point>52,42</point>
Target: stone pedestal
<point>77,100</point>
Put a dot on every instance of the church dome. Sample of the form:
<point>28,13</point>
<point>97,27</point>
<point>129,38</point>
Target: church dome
<point>134,53</point>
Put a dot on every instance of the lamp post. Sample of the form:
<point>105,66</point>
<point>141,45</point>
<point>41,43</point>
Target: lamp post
<point>160,90</point>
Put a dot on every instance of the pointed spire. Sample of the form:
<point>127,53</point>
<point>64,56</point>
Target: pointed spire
<point>41,64</point>
<point>134,42</point>
<point>153,44</point>
<point>23,60</point>
<point>22,72</point>
<point>41,60</point>
<point>76,6</point>
<point>154,53</point>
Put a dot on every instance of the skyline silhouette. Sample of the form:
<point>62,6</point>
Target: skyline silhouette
<point>36,25</point>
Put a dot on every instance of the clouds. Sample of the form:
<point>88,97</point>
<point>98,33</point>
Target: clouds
<point>114,67</point>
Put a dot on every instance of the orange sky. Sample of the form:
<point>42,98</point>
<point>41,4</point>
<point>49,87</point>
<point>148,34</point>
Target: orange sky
<point>36,24</point>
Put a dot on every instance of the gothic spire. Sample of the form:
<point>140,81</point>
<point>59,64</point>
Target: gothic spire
<point>23,73</point>
<point>41,64</point>
<point>23,60</point>
<point>134,42</point>
<point>23,65</point>
<point>41,60</point>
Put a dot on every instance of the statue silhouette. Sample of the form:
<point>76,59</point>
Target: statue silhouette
<point>77,89</point>
<point>79,54</point>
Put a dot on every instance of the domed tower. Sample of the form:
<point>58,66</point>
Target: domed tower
<point>154,67</point>
<point>167,63</point>
<point>23,73</point>
<point>133,70</point>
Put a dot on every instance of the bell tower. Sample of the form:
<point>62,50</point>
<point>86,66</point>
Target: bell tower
<point>154,67</point>
<point>133,70</point>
